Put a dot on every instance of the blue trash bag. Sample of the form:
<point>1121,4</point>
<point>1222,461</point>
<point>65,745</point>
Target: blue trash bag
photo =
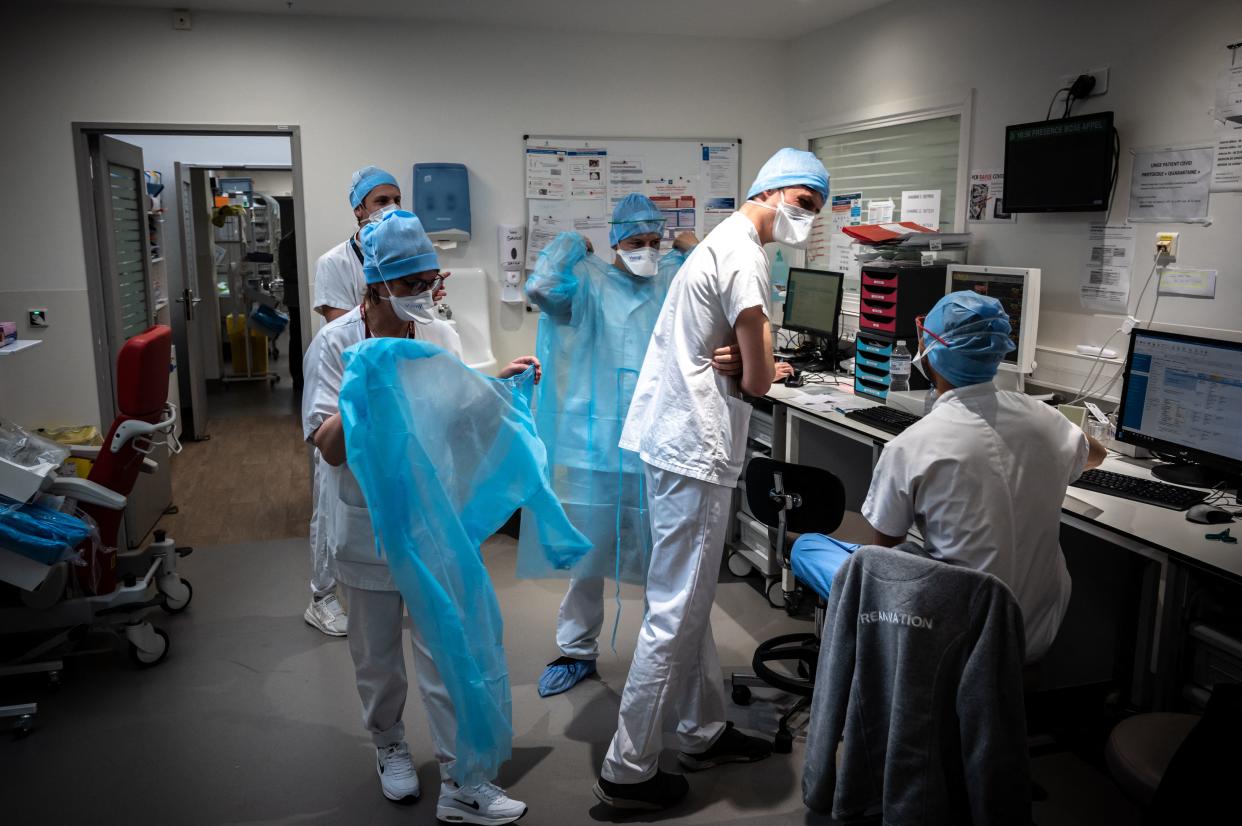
<point>594,326</point>
<point>269,321</point>
<point>444,455</point>
<point>39,533</point>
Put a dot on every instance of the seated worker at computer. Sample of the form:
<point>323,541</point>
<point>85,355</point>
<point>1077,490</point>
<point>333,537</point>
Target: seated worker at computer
<point>984,473</point>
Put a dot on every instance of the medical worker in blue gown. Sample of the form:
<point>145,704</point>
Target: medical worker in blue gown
<point>596,321</point>
<point>402,274</point>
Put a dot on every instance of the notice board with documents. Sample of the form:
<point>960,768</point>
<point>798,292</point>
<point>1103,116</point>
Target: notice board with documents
<point>572,184</point>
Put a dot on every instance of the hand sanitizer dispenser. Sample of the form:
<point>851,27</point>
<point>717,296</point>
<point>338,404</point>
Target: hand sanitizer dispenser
<point>442,201</point>
<point>511,239</point>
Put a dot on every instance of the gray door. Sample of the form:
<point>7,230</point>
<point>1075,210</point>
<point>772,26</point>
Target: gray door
<point>121,208</point>
<point>185,315</point>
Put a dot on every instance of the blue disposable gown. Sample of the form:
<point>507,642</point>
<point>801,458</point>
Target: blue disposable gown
<point>444,455</point>
<point>594,328</point>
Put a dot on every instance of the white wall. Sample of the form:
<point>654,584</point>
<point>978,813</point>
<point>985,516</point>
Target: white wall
<point>384,92</point>
<point>1163,63</point>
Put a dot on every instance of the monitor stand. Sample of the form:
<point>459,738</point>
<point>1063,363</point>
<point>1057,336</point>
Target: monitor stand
<point>1193,475</point>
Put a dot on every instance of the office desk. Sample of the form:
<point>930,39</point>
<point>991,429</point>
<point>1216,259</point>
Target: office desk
<point>1167,548</point>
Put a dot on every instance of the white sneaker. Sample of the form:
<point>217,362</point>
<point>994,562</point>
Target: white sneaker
<point>485,803</point>
<point>328,616</point>
<point>396,772</point>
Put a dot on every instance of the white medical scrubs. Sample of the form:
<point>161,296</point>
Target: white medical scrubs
<point>339,281</point>
<point>375,606</point>
<point>983,476</point>
<point>340,284</point>
<point>689,426</point>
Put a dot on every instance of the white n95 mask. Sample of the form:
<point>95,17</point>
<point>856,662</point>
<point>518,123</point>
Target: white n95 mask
<point>792,225</point>
<point>378,215</point>
<point>644,262</point>
<point>417,308</point>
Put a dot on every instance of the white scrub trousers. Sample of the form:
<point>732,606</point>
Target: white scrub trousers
<point>379,668</point>
<point>322,582</point>
<point>581,618</point>
<point>675,673</point>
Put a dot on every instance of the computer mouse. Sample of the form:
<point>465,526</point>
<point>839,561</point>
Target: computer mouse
<point>1208,515</point>
<point>795,380</point>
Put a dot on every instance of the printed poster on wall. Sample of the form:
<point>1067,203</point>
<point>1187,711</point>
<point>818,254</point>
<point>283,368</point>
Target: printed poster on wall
<point>921,206</point>
<point>586,173</point>
<point>1227,167</point>
<point>1106,282</point>
<point>545,172</point>
<point>1229,86</point>
<point>986,204</point>
<point>1171,185</point>
<point>842,250</point>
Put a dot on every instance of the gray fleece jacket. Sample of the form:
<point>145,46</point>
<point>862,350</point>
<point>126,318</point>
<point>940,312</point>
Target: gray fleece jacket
<point>920,676</point>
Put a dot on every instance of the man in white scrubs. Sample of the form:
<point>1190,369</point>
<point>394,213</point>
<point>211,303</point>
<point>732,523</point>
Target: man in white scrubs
<point>688,425</point>
<point>339,288</point>
<point>402,273</point>
<point>984,473</point>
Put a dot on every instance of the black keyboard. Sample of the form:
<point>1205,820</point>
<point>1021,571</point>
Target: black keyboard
<point>883,418</point>
<point>1150,492</point>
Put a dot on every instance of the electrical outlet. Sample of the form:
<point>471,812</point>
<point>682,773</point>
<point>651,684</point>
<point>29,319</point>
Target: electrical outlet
<point>1101,80</point>
<point>37,318</point>
<point>1166,244</point>
<point>181,19</point>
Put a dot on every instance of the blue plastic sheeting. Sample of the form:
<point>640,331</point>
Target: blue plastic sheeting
<point>594,328</point>
<point>815,559</point>
<point>37,532</point>
<point>444,455</point>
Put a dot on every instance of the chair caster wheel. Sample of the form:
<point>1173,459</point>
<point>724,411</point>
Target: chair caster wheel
<point>741,695</point>
<point>783,744</point>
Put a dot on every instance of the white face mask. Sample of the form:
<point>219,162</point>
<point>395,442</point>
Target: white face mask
<point>643,262</point>
<point>792,225</point>
<point>378,215</point>
<point>421,308</point>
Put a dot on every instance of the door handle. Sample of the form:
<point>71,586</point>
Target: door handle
<point>189,300</point>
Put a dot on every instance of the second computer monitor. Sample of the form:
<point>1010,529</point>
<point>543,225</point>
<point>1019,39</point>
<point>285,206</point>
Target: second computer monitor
<point>1017,289</point>
<point>813,302</point>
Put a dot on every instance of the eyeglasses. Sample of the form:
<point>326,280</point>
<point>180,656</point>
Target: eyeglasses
<point>418,286</point>
<point>918,322</point>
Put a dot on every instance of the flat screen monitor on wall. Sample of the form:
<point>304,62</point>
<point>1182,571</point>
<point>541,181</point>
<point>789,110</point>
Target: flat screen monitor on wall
<point>1064,165</point>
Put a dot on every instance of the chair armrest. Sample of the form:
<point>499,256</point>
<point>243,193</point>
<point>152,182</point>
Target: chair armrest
<point>87,491</point>
<point>84,451</point>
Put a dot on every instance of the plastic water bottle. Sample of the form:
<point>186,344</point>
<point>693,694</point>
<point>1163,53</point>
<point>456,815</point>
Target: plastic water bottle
<point>899,368</point>
<point>780,276</point>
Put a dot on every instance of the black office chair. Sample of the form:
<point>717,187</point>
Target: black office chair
<point>801,499</point>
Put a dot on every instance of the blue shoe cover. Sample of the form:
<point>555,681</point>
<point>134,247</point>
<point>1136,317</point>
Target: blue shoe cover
<point>563,674</point>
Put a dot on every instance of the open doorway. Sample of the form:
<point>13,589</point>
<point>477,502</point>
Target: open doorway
<point>207,238</point>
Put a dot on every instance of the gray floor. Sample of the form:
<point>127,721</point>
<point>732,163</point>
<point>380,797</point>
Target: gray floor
<point>254,719</point>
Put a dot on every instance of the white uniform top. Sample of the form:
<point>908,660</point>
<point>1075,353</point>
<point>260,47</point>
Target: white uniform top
<point>983,475</point>
<point>685,417</point>
<point>339,281</point>
<point>346,521</point>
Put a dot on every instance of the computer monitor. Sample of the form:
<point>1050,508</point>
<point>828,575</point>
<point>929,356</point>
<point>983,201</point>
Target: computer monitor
<point>813,302</point>
<point>1017,289</point>
<point>1181,398</point>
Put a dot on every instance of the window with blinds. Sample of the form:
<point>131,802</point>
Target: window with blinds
<point>129,241</point>
<point>885,161</point>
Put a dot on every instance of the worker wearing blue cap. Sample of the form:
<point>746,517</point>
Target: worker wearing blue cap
<point>688,423</point>
<point>339,285</point>
<point>596,319</point>
<point>402,272</point>
<point>983,473</point>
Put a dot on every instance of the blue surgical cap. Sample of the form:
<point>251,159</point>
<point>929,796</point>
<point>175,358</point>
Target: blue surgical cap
<point>396,246</point>
<point>791,167</point>
<point>634,214</point>
<point>977,330</point>
<point>366,179</point>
